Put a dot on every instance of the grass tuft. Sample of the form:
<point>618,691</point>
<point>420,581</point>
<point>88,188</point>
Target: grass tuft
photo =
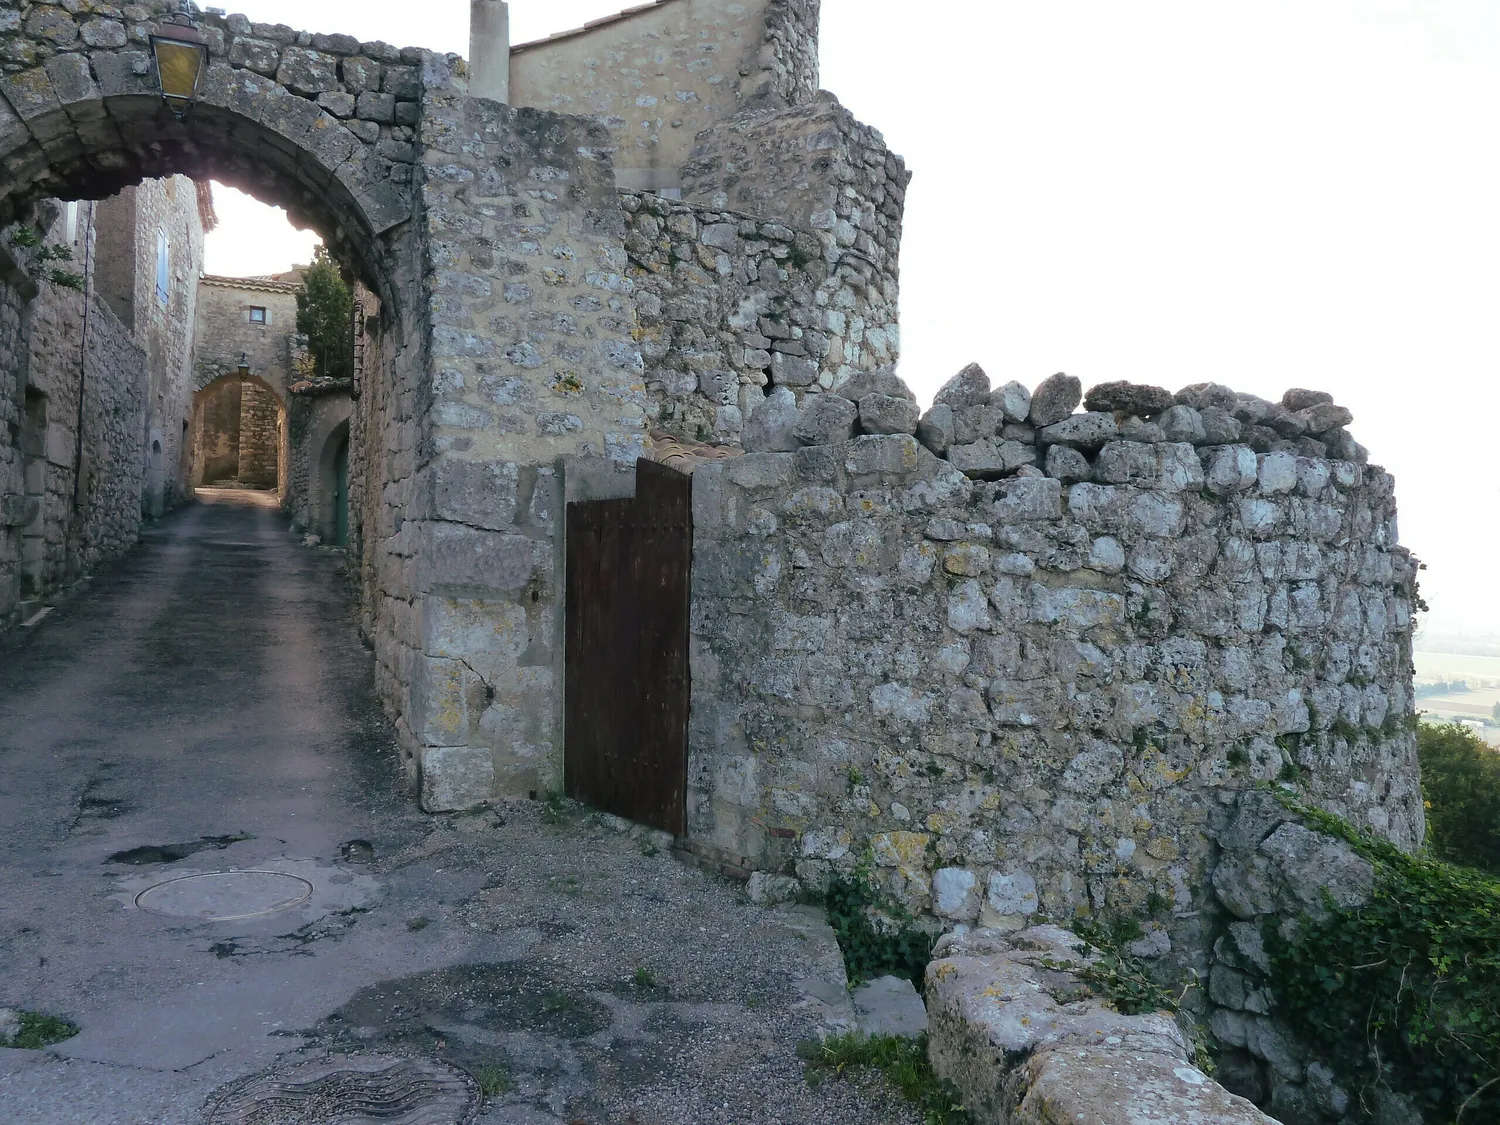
<point>38,1031</point>
<point>903,1062</point>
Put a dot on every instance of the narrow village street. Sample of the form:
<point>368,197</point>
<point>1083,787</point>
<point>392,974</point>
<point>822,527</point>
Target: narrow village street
<point>208,708</point>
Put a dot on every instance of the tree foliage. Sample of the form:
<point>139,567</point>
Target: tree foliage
<point>1461,784</point>
<point>325,311</point>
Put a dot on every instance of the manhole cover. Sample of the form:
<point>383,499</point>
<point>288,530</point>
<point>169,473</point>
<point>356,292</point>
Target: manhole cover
<point>225,896</point>
<point>350,1091</point>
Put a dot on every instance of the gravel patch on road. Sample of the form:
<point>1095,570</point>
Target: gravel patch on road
<point>639,991</point>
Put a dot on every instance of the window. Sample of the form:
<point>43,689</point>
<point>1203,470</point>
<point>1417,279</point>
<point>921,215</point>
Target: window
<point>258,315</point>
<point>163,267</point>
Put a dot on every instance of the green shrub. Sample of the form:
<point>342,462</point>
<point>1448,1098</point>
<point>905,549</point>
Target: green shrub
<point>1461,785</point>
<point>1404,991</point>
<point>896,948</point>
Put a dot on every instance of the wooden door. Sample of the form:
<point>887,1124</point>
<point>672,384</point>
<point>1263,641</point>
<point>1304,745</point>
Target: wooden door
<point>628,581</point>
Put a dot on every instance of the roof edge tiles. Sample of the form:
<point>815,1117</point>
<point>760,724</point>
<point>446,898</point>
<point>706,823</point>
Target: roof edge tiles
<point>591,25</point>
<point>259,284</point>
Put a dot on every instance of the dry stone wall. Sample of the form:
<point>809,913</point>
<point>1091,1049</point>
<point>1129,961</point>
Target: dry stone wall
<point>814,167</point>
<point>1019,690</point>
<point>70,498</point>
<point>727,304</point>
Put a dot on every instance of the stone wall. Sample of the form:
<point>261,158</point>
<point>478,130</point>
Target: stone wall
<point>1022,688</point>
<point>71,496</point>
<point>317,420</point>
<point>260,437</point>
<point>132,226</point>
<point>815,168</point>
<point>660,74</point>
<point>727,303</point>
<point>534,358</point>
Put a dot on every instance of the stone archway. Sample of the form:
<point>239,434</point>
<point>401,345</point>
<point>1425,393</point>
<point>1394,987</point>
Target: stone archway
<point>239,421</point>
<point>321,125</point>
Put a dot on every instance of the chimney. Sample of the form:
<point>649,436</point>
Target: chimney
<point>489,49</point>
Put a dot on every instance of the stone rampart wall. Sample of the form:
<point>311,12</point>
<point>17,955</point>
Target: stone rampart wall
<point>1022,695</point>
<point>727,303</point>
<point>815,168</point>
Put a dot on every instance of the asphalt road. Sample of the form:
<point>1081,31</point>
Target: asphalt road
<point>208,707</point>
<point>212,686</point>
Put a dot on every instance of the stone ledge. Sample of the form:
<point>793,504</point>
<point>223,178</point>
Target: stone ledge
<point>1027,1042</point>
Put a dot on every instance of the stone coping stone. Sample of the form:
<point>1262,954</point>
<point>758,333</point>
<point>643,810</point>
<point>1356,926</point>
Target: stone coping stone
<point>1015,1027</point>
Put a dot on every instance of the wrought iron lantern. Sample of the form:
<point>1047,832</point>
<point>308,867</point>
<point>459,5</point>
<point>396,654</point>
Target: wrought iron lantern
<point>181,60</point>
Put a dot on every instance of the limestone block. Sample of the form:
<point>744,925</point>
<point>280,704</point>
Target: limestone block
<point>1200,396</point>
<point>888,414</point>
<point>1137,429</point>
<point>1054,399</point>
<point>988,458</point>
<point>256,54</point>
<point>1220,427</point>
<point>889,1006</point>
<point>1084,431</point>
<point>454,778</point>
<point>1107,1086</point>
<point>1068,465</point>
<point>1232,469</point>
<point>880,381</point>
<point>1129,398</point>
<point>456,557</point>
<point>479,493</point>
<point>975,423</point>
<point>970,387</point>
<point>1025,500</point>
<point>1322,417</point>
<point>935,430</point>
<point>1183,423</point>
<point>955,893</point>
<point>772,424</point>
<point>825,419</point>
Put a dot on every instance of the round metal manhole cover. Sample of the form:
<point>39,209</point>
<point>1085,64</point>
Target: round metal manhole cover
<point>225,896</point>
<point>351,1091</point>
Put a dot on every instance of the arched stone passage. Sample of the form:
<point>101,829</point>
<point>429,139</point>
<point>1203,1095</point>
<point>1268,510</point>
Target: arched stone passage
<point>322,125</point>
<point>238,424</point>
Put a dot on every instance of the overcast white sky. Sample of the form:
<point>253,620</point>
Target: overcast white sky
<point>1265,193</point>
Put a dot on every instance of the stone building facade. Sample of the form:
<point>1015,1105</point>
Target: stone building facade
<point>94,388</point>
<point>244,363</point>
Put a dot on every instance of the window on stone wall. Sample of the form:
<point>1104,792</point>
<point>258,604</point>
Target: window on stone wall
<point>258,315</point>
<point>163,267</point>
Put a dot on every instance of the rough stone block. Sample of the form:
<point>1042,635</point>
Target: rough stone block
<point>459,558</point>
<point>887,414</point>
<point>970,387</point>
<point>889,1006</point>
<point>1054,399</point>
<point>825,419</point>
<point>456,777</point>
<point>935,430</point>
<point>772,424</point>
<point>1084,431</point>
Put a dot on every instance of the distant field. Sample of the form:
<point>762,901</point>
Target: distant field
<point>1453,666</point>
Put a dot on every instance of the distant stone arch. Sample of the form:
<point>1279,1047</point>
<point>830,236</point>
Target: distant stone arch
<point>237,435</point>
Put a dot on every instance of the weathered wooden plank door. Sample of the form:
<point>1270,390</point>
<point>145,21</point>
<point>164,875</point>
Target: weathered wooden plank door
<point>629,568</point>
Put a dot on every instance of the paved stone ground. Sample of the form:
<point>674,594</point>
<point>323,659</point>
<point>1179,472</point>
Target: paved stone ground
<point>214,687</point>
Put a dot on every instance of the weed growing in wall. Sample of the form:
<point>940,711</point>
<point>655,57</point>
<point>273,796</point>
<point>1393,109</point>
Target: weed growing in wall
<point>1403,992</point>
<point>892,946</point>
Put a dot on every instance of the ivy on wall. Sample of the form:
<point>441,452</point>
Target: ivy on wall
<point>1403,992</point>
